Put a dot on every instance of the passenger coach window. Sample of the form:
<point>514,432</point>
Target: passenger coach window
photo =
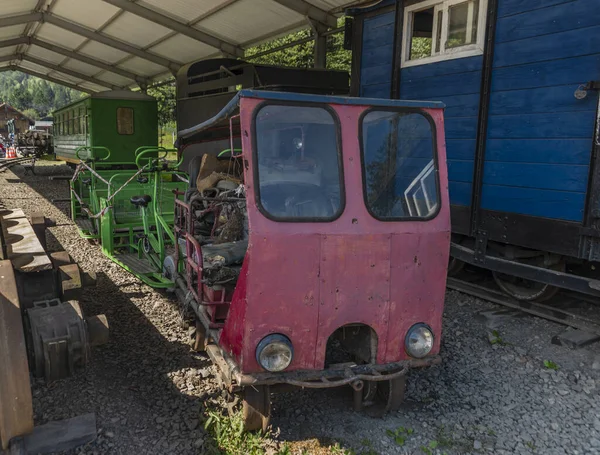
<point>298,158</point>
<point>125,120</point>
<point>400,173</point>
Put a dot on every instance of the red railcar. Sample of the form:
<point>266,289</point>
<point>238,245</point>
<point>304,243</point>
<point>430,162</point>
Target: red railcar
<point>314,250</point>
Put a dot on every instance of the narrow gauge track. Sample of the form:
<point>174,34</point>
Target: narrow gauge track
<point>551,310</point>
<point>8,163</point>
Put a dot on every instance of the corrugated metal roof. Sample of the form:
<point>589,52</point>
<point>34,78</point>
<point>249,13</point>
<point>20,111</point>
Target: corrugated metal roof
<point>100,44</point>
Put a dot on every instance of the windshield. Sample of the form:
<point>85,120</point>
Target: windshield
<point>400,171</point>
<point>299,176</point>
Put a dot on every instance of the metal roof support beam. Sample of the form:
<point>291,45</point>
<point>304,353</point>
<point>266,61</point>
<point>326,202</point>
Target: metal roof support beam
<point>90,61</point>
<point>176,26</point>
<point>60,69</point>
<point>95,36</point>
<point>20,19</point>
<point>14,42</point>
<point>310,11</point>
<point>9,58</point>
<point>47,78</point>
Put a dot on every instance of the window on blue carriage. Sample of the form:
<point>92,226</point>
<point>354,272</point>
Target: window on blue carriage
<point>447,29</point>
<point>399,165</point>
<point>298,163</point>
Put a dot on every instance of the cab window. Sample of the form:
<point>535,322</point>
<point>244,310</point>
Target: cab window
<point>298,163</point>
<point>399,166</point>
<point>125,120</point>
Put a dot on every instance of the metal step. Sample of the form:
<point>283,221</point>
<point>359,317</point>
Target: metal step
<point>85,224</point>
<point>135,264</point>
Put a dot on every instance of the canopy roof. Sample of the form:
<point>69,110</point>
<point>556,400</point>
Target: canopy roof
<point>95,45</point>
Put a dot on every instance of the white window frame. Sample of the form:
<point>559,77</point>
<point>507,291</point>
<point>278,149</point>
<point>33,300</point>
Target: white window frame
<point>468,50</point>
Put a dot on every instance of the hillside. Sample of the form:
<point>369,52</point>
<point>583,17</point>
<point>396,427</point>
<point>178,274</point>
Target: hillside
<point>34,97</point>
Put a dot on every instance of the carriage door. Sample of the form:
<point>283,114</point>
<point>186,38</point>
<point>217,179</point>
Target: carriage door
<point>374,59</point>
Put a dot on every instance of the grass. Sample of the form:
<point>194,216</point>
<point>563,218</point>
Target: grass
<point>228,437</point>
<point>399,435</point>
<point>495,338</point>
<point>551,365</point>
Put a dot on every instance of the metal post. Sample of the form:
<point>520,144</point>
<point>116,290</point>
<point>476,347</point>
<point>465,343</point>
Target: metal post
<point>320,51</point>
<point>320,36</point>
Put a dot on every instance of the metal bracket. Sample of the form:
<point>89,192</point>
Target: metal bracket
<point>582,90</point>
<point>480,247</point>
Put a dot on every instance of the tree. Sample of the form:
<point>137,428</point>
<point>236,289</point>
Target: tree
<point>27,92</point>
<point>167,101</point>
<point>41,100</point>
<point>302,55</point>
<point>31,113</point>
<point>20,98</point>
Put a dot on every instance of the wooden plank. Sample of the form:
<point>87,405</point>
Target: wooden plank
<point>443,68</point>
<point>460,193</point>
<point>460,105</point>
<point>540,100</point>
<point>551,151</point>
<point>547,73</point>
<point>566,44</point>
<point>575,339</point>
<point>460,149</point>
<point>378,31</point>
<point>546,21</point>
<point>376,74</point>
<point>378,36</point>
<point>560,205</point>
<point>432,88</point>
<point>460,170</point>
<point>509,7</point>
<point>559,177</point>
<point>563,125</point>
<point>374,22</point>
<point>23,248</point>
<point>461,128</point>
<point>381,90</point>
<point>62,435</point>
<point>16,410</point>
<point>380,55</point>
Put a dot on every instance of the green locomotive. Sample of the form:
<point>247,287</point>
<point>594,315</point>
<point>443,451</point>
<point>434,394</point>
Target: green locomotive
<point>119,120</point>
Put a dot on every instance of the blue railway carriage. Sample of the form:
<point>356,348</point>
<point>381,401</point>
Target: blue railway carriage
<point>520,81</point>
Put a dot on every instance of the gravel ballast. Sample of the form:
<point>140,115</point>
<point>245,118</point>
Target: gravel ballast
<point>502,387</point>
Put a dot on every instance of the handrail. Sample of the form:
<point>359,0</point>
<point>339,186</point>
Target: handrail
<point>157,150</point>
<point>150,147</point>
<point>91,149</point>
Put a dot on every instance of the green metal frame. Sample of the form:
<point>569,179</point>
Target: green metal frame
<point>150,232</point>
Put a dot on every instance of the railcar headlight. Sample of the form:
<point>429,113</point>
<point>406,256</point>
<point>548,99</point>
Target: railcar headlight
<point>274,352</point>
<point>419,341</point>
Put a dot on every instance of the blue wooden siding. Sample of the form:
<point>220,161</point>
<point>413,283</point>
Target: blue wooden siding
<point>456,83</point>
<point>539,135</point>
<point>377,56</point>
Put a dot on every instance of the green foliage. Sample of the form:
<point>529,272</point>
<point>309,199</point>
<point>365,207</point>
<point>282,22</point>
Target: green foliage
<point>495,338</point>
<point>166,98</point>
<point>399,435</point>
<point>31,113</point>
<point>420,48</point>
<point>230,437</point>
<point>428,450</point>
<point>551,365</point>
<point>31,94</point>
<point>302,55</point>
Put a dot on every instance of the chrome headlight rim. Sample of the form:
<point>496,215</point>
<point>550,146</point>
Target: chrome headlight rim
<point>411,331</point>
<point>269,340</point>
